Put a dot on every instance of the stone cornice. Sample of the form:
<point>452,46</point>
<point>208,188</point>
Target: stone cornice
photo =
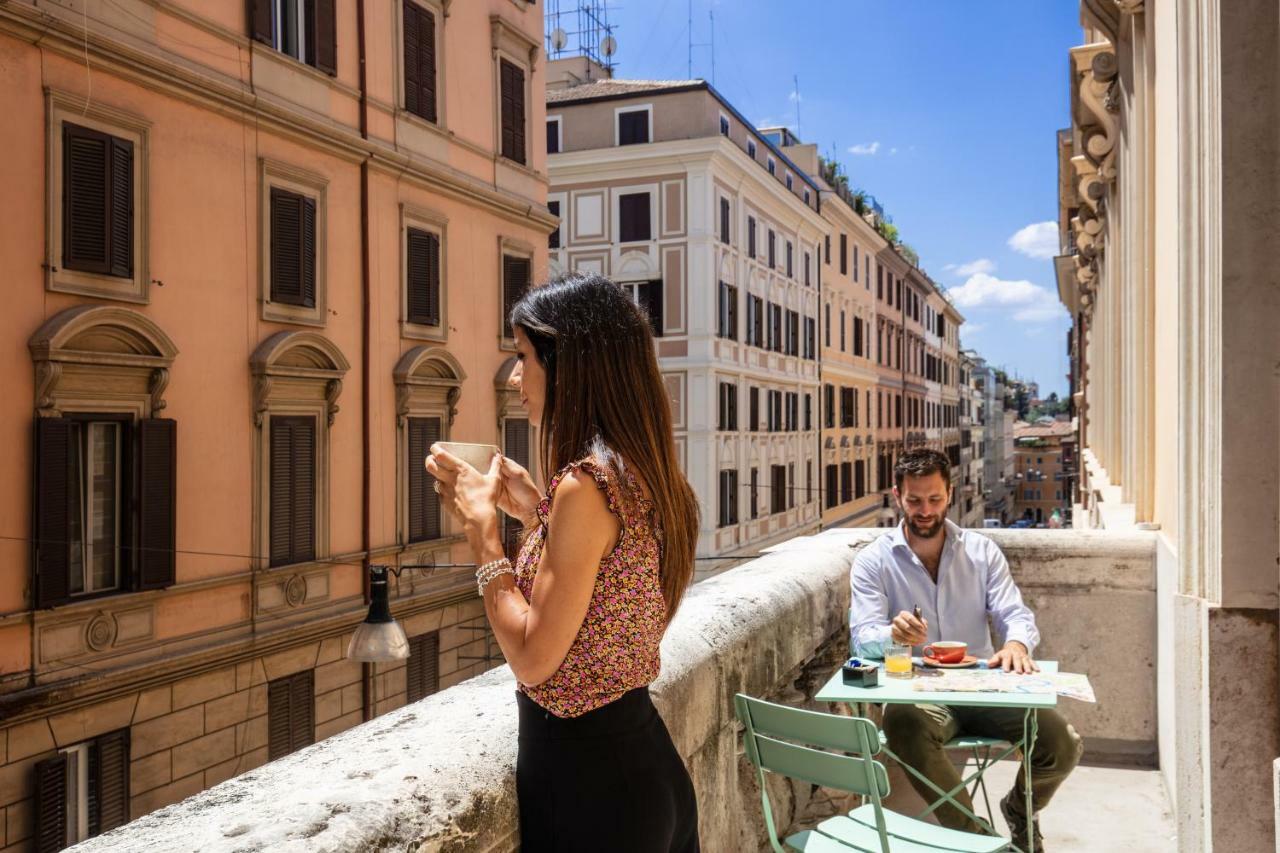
<point>236,99</point>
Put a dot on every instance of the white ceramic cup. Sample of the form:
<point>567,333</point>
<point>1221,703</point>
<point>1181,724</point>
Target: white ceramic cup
<point>478,456</point>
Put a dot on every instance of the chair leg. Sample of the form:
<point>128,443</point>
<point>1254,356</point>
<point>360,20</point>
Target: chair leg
<point>983,761</point>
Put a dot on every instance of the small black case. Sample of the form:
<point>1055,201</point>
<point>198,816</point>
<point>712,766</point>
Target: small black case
<point>858,673</point>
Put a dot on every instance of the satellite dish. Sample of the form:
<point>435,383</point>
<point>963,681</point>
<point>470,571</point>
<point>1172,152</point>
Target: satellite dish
<point>559,38</point>
<point>609,46</point>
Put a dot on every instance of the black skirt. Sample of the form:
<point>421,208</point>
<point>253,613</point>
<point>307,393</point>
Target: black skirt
<point>610,779</point>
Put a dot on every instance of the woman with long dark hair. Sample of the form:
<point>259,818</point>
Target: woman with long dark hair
<point>607,555</point>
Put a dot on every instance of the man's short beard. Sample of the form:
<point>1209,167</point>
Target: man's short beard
<point>925,534</point>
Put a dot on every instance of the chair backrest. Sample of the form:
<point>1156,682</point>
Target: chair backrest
<point>774,738</point>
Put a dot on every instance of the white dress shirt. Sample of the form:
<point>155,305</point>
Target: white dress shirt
<point>973,583</point>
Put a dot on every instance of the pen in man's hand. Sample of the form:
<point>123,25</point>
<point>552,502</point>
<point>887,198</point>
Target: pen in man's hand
<point>915,611</point>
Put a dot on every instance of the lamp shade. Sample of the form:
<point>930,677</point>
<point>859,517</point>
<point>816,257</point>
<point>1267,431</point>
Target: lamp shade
<point>379,638</point>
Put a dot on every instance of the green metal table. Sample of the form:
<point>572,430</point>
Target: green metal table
<point>901,691</point>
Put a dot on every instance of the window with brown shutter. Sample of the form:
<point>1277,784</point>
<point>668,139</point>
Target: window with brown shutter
<point>778,488</point>
<point>424,503</point>
<point>419,61</point>
<point>516,273</point>
<point>293,248</point>
<point>422,277</point>
<point>97,202</point>
<point>633,217</point>
<point>512,109</point>
<point>633,127</point>
<point>517,443</point>
<point>103,506</point>
<point>423,667</point>
<point>649,298</point>
<point>157,502</point>
<point>82,791</point>
<point>51,804</point>
<point>724,220</point>
<point>293,496</point>
<point>307,30</point>
<point>290,714</point>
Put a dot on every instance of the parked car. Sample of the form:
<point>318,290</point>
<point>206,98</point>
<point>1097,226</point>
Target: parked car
<point>990,522</point>
<point>1021,524</point>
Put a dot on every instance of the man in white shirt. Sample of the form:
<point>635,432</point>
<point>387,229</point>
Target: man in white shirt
<point>958,579</point>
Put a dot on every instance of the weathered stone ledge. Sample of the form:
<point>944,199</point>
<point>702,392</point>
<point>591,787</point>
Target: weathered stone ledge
<point>439,775</point>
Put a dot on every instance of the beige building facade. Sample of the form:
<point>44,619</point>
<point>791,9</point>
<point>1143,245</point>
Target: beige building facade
<point>663,187</point>
<point>1041,453</point>
<point>1169,199</point>
<point>263,265</point>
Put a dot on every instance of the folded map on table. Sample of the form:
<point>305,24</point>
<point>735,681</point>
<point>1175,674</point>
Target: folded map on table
<point>1070,684</point>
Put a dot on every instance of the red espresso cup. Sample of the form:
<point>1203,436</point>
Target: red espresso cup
<point>946,651</point>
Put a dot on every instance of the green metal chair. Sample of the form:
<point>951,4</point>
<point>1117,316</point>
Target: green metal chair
<point>775,741</point>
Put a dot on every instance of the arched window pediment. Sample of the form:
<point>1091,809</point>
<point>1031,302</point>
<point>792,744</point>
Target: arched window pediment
<point>70,346</point>
<point>293,358</point>
<point>428,371</point>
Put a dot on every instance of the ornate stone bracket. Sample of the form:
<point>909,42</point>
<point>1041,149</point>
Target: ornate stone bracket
<point>47,375</point>
<point>331,392</point>
<point>158,382</point>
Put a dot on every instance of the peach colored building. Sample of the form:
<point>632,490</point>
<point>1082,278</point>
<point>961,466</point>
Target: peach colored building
<point>1042,452</point>
<point>262,262</point>
<point>846,263</point>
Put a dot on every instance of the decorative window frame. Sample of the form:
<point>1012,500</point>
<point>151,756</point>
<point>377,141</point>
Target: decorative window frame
<point>294,373</point>
<point>274,173</point>
<point>423,219</point>
<point>439,8</point>
<point>517,249</point>
<point>63,106</point>
<point>631,108</point>
<point>508,42</point>
<point>428,384</point>
<point>100,358</point>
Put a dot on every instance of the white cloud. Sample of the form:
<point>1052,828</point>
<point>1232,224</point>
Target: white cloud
<point>1030,302</point>
<point>865,148</point>
<point>1038,240</point>
<point>981,265</point>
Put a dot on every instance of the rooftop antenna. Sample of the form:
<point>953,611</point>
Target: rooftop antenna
<point>796,79</point>
<point>689,76</point>
<point>711,44</point>
<point>580,28</point>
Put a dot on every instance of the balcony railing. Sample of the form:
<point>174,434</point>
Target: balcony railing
<point>439,774</point>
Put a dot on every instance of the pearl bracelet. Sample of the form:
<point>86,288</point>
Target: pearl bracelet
<point>490,571</point>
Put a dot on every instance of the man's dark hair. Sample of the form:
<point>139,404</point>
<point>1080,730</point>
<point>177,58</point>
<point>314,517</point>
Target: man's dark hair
<point>921,462</point>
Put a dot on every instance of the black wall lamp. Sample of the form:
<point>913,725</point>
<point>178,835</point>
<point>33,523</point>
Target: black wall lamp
<point>379,638</point>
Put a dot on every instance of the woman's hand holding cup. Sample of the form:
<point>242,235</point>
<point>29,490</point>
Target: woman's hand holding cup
<point>465,493</point>
<point>519,496</point>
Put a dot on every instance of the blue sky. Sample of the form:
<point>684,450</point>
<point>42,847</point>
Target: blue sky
<point>945,110</point>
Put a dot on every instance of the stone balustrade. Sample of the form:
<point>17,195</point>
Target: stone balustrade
<point>439,775</point>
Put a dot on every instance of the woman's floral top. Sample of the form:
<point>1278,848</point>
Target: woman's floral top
<point>616,649</point>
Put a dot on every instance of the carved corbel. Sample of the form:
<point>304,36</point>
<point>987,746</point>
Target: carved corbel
<point>261,394</point>
<point>1099,134</point>
<point>403,395</point>
<point>1131,7</point>
<point>47,375</point>
<point>331,391</point>
<point>158,381</point>
<point>451,401</point>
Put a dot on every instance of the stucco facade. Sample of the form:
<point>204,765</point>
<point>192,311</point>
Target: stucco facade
<point>1170,177</point>
<point>664,188</point>
<point>173,649</point>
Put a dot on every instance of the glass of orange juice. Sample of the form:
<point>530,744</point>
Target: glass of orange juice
<point>897,661</point>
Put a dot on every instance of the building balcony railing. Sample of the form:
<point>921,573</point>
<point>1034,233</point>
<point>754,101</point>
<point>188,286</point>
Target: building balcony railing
<point>439,774</point>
